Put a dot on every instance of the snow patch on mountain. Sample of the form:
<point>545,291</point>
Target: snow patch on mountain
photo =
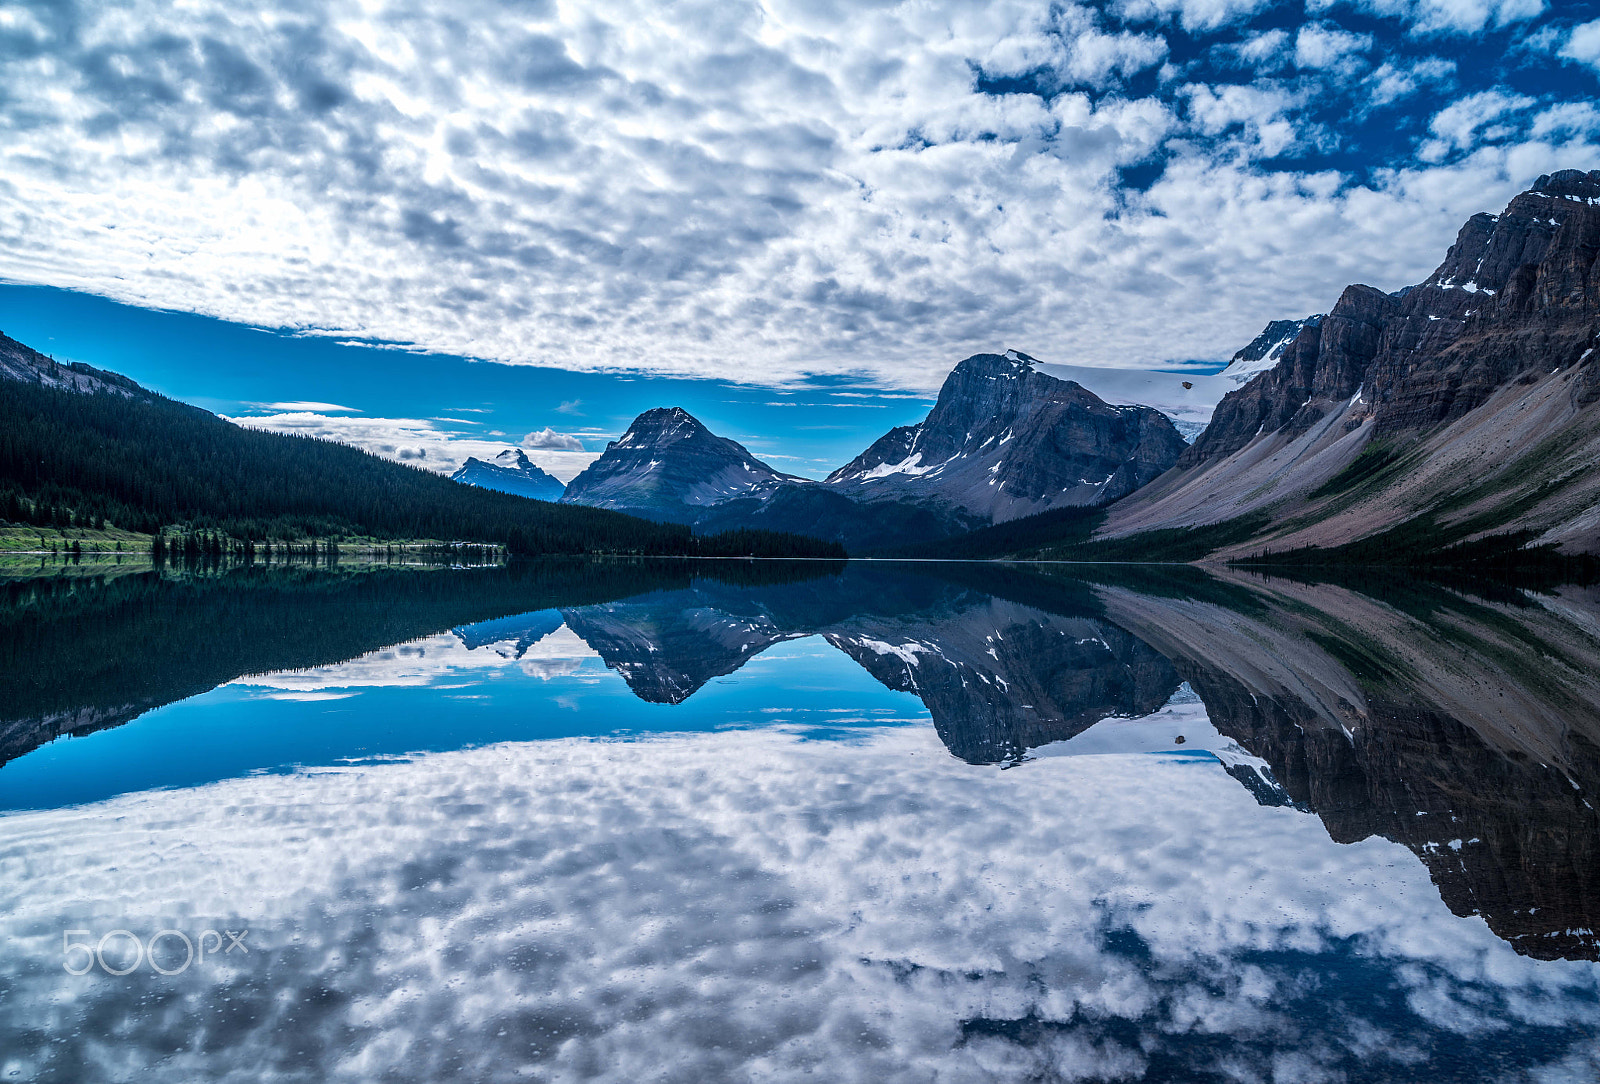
<point>511,471</point>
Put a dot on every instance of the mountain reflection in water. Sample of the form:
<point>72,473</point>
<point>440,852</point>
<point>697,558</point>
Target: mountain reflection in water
<point>729,904</point>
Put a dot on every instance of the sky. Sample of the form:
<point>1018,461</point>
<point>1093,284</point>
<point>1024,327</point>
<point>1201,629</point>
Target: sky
<point>542,217</point>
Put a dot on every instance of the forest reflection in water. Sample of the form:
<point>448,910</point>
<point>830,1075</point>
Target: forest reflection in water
<point>777,828</point>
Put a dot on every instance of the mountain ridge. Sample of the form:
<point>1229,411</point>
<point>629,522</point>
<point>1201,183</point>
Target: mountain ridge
<point>81,446</point>
<point>1466,401</point>
<point>1003,440</point>
<point>667,464</point>
<point>510,472</point>
<point>1061,437</point>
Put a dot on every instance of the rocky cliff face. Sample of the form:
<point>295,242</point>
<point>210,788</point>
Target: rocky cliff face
<point>510,472</point>
<point>1267,349</point>
<point>1514,292</point>
<point>1482,379</point>
<point>667,466</point>
<point>20,362</point>
<point>1005,440</point>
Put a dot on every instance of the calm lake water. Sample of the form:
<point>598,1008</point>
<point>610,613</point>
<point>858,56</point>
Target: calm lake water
<point>697,821</point>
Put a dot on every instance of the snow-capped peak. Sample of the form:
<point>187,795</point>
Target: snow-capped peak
<point>1267,349</point>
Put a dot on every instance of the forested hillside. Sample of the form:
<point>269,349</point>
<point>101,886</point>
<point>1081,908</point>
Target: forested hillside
<point>143,462</point>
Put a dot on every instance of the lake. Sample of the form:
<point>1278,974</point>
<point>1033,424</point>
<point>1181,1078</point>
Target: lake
<point>702,821</point>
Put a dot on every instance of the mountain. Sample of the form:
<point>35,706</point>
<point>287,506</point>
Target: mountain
<point>822,512</point>
<point>667,466</point>
<point>1266,349</point>
<point>1005,440</point>
<point>27,365</point>
<point>1464,408</point>
<point>510,472</point>
<point>79,446</point>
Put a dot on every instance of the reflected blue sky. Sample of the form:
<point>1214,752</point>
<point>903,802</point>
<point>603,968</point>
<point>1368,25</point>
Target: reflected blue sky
<point>438,694</point>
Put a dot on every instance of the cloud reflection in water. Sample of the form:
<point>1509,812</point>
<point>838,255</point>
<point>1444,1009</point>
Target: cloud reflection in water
<point>869,909</point>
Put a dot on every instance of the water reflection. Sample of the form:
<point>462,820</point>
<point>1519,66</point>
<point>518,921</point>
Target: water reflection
<point>885,905</point>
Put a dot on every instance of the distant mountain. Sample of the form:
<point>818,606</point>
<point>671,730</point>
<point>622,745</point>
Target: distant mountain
<point>510,472</point>
<point>823,512</point>
<point>1464,407</point>
<point>668,466</point>
<point>80,446</point>
<point>1005,440</point>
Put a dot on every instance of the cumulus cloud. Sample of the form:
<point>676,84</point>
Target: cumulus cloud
<point>1448,16</point>
<point>1193,14</point>
<point>1391,82</point>
<point>1478,118</point>
<point>1583,44</point>
<point>549,438</point>
<point>1566,120</point>
<point>1319,46</point>
<point>1260,111</point>
<point>755,192</point>
<point>1265,50</point>
<point>745,905</point>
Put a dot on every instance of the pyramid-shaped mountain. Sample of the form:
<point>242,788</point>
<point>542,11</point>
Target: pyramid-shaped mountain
<point>668,465</point>
<point>510,472</point>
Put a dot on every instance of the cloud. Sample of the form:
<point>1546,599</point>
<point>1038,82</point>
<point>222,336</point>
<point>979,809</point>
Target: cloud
<point>300,407</point>
<point>1193,14</point>
<point>1583,44</point>
<point>1566,120</point>
<point>549,438</point>
<point>1448,16</point>
<point>570,406</point>
<point>1262,113</point>
<point>1265,50</point>
<point>1320,46</point>
<point>752,192</point>
<point>750,904</point>
<point>419,442</point>
<point>1488,116</point>
<point>1391,83</point>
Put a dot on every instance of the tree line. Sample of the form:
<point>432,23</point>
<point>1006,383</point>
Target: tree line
<point>147,463</point>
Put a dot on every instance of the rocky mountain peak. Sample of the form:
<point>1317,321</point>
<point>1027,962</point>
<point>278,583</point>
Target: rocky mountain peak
<point>1006,440</point>
<point>515,458</point>
<point>511,471</point>
<point>1515,292</point>
<point>667,464</point>
<point>21,362</point>
<point>664,425</point>
<point>1267,349</point>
